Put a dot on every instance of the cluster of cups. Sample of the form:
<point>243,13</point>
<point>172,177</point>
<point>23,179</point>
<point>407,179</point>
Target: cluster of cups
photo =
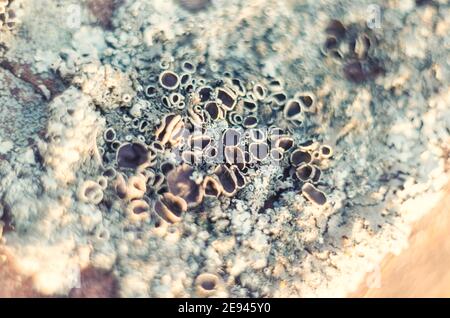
<point>210,143</point>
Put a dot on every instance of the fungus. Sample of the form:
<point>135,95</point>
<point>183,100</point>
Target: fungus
<point>188,67</point>
<point>132,155</point>
<point>227,98</point>
<point>136,187</point>
<point>170,129</point>
<point>212,187</point>
<point>180,184</point>
<point>314,195</point>
<point>169,80</point>
<point>170,207</point>
<point>90,192</point>
<point>292,110</point>
<point>240,178</point>
<point>227,180</point>
<point>284,142</point>
<point>109,135</point>
<point>276,154</point>
<point>260,91</point>
<point>299,156</point>
<point>336,29</point>
<point>307,101</point>
<point>305,172</point>
<point>207,284</point>
<point>138,210</point>
<point>205,93</point>
<point>250,105</point>
<point>213,110</point>
<point>326,151</point>
<point>250,122</point>
<point>150,91</point>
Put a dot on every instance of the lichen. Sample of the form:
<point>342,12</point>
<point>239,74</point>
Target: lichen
<point>128,171</point>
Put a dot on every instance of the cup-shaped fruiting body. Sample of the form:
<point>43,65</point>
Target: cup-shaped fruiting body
<point>210,154</point>
<point>109,135</point>
<point>336,29</point>
<point>169,80</point>
<point>205,93</point>
<point>138,210</point>
<point>259,91</point>
<point>115,145</point>
<point>331,43</point>
<point>313,194</point>
<point>170,129</point>
<point>276,85</point>
<point>258,150</point>
<point>238,87</point>
<point>213,110</point>
<point>207,284</point>
<point>292,110</point>
<point>234,156</point>
<point>234,118</point>
<point>316,156</point>
<point>249,105</point>
<point>326,151</point>
<point>226,97</point>
<point>278,99</point>
<point>160,225</point>
<point>132,155</point>
<point>241,181</point>
<point>103,182</point>
<point>110,173</point>
<point>90,192</point>
<point>305,172</point>
<point>307,101</point>
<point>166,167</point>
<point>180,184</point>
<point>309,145</point>
<point>155,183</point>
<point>185,79</point>
<point>227,180</point>
<point>317,174</point>
<point>276,154</point>
<point>212,186</point>
<point>176,98</point>
<point>284,142</point>
<point>150,91</point>
<point>120,186</point>
<point>170,207</point>
<point>250,121</point>
<point>299,157</point>
<point>136,187</point>
<point>157,146</point>
<point>189,67</point>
